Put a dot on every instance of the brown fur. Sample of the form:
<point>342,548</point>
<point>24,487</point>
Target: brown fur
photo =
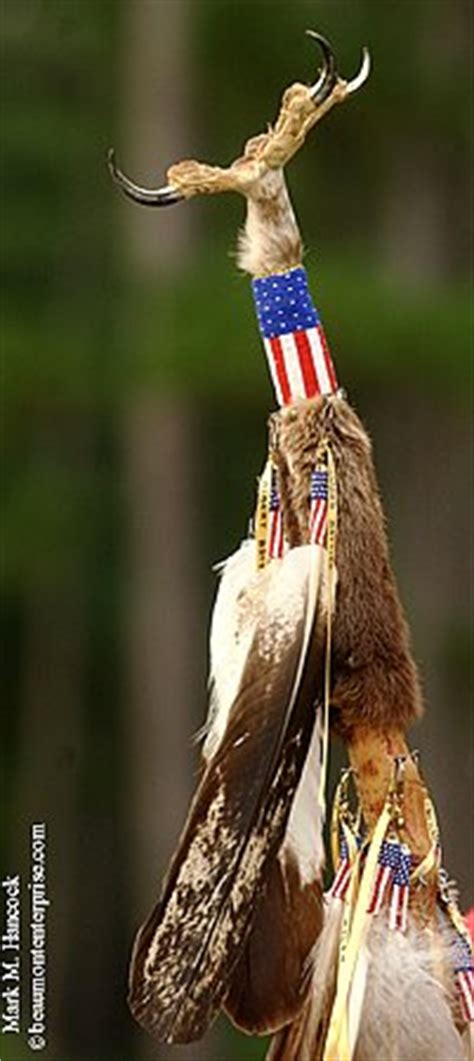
<point>374,680</point>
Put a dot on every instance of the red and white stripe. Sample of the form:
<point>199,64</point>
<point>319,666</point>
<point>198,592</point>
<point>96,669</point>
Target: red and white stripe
<point>276,541</point>
<point>381,882</point>
<point>318,521</point>
<point>300,365</point>
<point>398,911</point>
<point>465,986</point>
<point>340,883</point>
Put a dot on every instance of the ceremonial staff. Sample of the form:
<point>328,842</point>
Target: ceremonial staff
<point>308,636</point>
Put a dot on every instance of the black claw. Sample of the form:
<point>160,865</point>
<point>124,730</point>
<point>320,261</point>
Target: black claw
<point>165,196</point>
<point>328,77</point>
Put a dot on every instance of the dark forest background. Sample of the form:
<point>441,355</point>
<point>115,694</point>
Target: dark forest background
<point>134,404</point>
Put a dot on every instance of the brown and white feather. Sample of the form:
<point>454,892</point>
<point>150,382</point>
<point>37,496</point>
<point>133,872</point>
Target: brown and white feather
<point>185,954</point>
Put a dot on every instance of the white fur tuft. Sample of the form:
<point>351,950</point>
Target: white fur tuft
<point>270,241</point>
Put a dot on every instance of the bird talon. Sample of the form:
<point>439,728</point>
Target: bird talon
<point>328,76</point>
<point>165,196</point>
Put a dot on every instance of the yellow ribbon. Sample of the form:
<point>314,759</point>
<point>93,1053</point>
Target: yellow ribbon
<point>262,513</point>
<point>349,902</point>
<point>344,941</point>
<point>431,861</point>
<point>325,456</point>
<point>338,1046</point>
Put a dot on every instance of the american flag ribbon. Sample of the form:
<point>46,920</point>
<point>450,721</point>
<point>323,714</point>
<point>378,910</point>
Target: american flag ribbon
<point>276,541</point>
<point>386,865</point>
<point>318,511</point>
<point>464,977</point>
<point>295,344</point>
<point>398,909</point>
<point>340,884</point>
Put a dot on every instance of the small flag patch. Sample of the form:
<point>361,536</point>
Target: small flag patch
<point>318,511</point>
<point>464,977</point>
<point>276,542</point>
<point>342,877</point>
<point>386,865</point>
<point>398,910</point>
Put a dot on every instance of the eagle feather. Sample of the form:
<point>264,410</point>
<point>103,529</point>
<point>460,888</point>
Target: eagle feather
<point>267,676</point>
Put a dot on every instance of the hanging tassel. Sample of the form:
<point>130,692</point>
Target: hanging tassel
<point>269,534</point>
<point>398,911</point>
<point>387,863</point>
<point>463,965</point>
<point>345,839</point>
<point>318,514</point>
<point>464,977</point>
<point>262,515</point>
<point>340,884</point>
<point>276,540</point>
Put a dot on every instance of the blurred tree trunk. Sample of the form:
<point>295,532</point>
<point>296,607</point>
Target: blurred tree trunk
<point>426,215</point>
<point>414,230</point>
<point>161,479</point>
